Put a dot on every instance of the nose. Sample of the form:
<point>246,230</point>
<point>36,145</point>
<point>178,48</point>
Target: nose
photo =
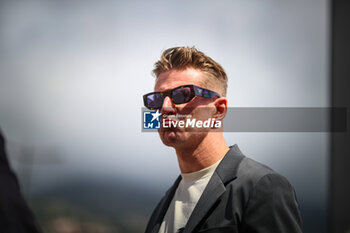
<point>168,106</point>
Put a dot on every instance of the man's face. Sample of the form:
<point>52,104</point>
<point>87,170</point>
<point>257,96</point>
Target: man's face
<point>199,107</point>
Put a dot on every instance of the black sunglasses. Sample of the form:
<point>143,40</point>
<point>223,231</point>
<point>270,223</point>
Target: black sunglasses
<point>178,95</point>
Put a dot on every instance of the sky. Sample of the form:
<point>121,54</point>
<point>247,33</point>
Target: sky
<point>72,76</point>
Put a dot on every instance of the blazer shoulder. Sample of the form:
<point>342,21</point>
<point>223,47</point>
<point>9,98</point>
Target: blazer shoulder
<point>268,193</point>
<point>238,170</point>
<point>251,172</point>
<point>254,170</point>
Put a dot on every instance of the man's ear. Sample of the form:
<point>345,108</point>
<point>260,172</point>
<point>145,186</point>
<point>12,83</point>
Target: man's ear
<point>221,108</point>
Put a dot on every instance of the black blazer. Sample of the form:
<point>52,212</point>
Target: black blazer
<point>241,196</point>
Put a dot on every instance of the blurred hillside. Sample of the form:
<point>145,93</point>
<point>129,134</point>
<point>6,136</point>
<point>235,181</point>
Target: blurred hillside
<point>94,206</point>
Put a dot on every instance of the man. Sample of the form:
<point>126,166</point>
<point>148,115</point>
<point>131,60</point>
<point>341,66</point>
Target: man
<point>219,190</point>
<point>15,216</point>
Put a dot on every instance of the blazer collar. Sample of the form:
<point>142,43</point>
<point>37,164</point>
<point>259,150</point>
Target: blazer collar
<point>227,169</point>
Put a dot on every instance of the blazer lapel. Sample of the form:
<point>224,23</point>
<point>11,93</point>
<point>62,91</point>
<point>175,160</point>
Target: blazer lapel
<point>212,192</point>
<point>157,217</point>
<point>224,173</point>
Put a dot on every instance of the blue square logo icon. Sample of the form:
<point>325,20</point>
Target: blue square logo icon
<point>151,119</point>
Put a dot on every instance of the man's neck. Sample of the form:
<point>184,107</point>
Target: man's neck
<point>210,150</point>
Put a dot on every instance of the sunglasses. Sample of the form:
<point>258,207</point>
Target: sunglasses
<point>178,95</point>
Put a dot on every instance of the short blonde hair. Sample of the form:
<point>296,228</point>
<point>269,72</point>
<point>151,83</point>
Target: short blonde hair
<point>189,57</point>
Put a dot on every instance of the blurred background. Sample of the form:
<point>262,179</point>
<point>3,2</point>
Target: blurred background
<point>72,76</point>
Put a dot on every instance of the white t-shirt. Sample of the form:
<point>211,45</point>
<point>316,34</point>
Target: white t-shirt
<point>185,199</point>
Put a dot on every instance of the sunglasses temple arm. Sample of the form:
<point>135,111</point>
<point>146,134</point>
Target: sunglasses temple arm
<point>205,92</point>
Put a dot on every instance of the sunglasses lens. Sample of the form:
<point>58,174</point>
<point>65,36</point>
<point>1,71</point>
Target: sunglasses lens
<point>154,101</point>
<point>181,95</point>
